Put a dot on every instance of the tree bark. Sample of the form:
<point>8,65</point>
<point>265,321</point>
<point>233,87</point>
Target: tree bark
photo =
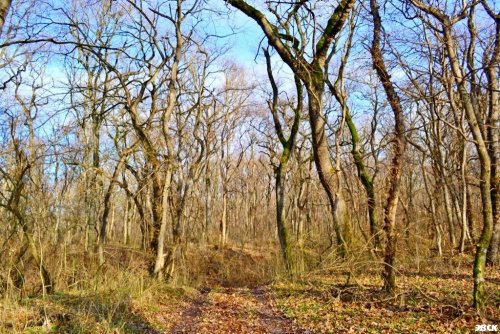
<point>324,166</point>
<point>160,253</point>
<point>4,10</point>
<point>493,135</point>
<point>390,210</point>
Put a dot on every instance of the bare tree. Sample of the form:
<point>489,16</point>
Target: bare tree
<point>338,90</point>
<point>389,273</point>
<point>312,73</point>
<point>492,73</point>
<point>288,145</point>
<point>21,171</point>
<point>443,24</point>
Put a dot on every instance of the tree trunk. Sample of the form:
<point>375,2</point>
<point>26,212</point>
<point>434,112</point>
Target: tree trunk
<point>435,220</point>
<point>176,240</point>
<point>223,222</point>
<point>126,218</point>
<point>485,171</point>
<point>465,233</point>
<point>4,9</point>
<point>493,258</point>
<point>389,275</point>
<point>493,134</point>
<point>324,166</point>
<point>449,214</point>
<point>160,255</point>
<point>281,169</point>
<point>157,211</point>
<point>280,215</point>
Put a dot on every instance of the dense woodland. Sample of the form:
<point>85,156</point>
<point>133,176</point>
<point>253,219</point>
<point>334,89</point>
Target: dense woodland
<point>362,136</point>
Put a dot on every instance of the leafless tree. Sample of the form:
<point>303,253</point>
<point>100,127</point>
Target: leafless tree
<point>292,50</point>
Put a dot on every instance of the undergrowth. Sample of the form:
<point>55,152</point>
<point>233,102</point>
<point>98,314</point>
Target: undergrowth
<point>334,296</point>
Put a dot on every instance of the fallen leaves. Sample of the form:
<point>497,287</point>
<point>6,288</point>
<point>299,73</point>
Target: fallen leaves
<point>425,304</point>
<point>238,310</point>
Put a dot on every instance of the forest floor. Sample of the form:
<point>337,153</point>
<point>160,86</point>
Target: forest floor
<point>235,310</point>
<point>434,299</point>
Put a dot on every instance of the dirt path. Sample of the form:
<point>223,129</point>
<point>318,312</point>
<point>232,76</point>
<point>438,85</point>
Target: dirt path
<point>235,310</point>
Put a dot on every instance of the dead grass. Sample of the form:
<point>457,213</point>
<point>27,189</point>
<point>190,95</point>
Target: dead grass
<point>154,309</point>
<point>118,297</point>
<point>337,296</point>
<point>230,267</point>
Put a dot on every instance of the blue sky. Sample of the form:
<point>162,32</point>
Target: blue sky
<point>244,37</point>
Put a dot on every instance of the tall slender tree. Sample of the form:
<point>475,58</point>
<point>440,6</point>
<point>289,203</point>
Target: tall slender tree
<point>399,144</point>
<point>444,26</point>
<point>288,145</point>
<point>311,72</point>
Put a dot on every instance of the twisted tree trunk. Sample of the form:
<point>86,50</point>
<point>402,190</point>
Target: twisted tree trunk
<point>389,275</point>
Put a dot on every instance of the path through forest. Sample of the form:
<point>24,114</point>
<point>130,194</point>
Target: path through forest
<point>235,310</point>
